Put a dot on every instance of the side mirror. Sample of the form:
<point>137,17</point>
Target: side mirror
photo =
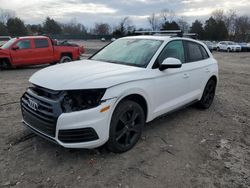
<point>170,63</point>
<point>15,48</point>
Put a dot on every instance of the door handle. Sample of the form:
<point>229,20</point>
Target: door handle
<point>185,75</point>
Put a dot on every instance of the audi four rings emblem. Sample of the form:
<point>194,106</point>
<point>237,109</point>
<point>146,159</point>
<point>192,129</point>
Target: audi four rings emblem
<point>33,105</point>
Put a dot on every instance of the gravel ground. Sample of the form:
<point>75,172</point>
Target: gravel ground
<point>189,148</point>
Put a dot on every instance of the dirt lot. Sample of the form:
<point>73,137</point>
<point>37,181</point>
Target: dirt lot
<point>189,148</point>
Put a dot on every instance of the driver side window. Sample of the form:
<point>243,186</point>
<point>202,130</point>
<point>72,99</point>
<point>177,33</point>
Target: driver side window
<point>173,49</point>
<point>23,44</point>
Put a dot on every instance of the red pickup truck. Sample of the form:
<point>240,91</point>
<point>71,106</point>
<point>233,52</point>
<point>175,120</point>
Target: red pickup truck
<point>36,50</point>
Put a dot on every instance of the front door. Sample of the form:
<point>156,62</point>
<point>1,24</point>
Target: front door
<point>171,85</point>
<point>21,52</point>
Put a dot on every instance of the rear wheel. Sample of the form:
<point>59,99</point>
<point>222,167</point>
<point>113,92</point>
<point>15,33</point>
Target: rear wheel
<point>208,95</point>
<point>65,59</point>
<point>126,126</point>
<point>218,49</point>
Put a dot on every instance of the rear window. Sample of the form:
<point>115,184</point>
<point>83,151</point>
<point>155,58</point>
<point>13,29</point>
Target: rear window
<point>194,52</point>
<point>41,43</point>
<point>204,52</point>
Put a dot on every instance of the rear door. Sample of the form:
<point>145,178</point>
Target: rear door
<point>22,52</point>
<point>43,51</point>
<point>198,62</point>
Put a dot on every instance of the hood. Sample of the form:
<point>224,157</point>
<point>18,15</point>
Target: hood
<point>86,74</point>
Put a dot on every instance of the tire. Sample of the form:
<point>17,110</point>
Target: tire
<point>4,64</point>
<point>228,50</point>
<point>208,95</point>
<point>126,126</point>
<point>218,49</point>
<point>65,59</point>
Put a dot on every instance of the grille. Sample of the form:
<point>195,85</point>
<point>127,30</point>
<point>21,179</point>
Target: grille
<point>77,135</point>
<point>40,111</point>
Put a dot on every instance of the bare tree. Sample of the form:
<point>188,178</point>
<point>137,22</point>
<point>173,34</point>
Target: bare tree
<point>183,24</point>
<point>230,21</point>
<point>125,22</point>
<point>154,21</point>
<point>5,15</point>
<point>123,27</point>
<point>102,29</point>
<point>167,15</point>
<point>219,15</point>
<point>242,28</point>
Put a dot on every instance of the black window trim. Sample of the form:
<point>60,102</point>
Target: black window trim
<point>156,66</point>
<point>204,49</point>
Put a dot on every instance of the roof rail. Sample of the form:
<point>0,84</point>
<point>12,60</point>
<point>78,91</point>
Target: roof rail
<point>191,35</point>
<point>171,33</point>
<point>178,33</point>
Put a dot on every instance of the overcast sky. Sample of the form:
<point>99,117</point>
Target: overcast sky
<point>89,11</point>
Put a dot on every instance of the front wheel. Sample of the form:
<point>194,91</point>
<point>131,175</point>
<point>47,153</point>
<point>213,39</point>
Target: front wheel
<point>126,126</point>
<point>208,95</point>
<point>4,65</point>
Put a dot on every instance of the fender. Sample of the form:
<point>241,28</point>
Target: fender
<point>119,93</point>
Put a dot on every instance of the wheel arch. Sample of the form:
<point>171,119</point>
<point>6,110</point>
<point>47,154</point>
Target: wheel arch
<point>67,54</point>
<point>7,60</point>
<point>136,96</point>
<point>138,99</point>
<point>214,77</point>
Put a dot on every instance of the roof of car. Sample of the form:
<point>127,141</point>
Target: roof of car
<point>150,37</point>
<point>163,38</point>
<point>28,37</point>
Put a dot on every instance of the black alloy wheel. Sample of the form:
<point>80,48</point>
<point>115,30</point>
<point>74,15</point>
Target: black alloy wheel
<point>208,95</point>
<point>126,126</point>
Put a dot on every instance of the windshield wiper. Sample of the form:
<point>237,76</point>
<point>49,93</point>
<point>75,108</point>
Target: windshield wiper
<point>118,62</point>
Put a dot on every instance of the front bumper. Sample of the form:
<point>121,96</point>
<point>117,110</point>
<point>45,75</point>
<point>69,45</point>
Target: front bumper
<point>82,129</point>
<point>91,119</point>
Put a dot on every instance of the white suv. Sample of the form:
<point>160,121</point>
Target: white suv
<point>228,46</point>
<point>109,97</point>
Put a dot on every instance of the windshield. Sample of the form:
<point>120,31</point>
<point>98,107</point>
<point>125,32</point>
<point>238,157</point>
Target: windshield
<point>8,44</point>
<point>134,52</point>
<point>231,43</point>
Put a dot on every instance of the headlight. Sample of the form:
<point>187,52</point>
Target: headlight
<point>77,100</point>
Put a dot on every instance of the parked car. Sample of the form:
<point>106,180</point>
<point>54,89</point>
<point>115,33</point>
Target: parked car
<point>209,45</point>
<point>228,46</point>
<point>113,39</point>
<point>214,45</point>
<point>109,97</point>
<point>4,39</point>
<point>244,47</point>
<point>35,50</point>
<point>103,39</point>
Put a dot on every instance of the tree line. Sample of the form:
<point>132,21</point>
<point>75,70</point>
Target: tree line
<point>14,26</point>
<point>219,26</point>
